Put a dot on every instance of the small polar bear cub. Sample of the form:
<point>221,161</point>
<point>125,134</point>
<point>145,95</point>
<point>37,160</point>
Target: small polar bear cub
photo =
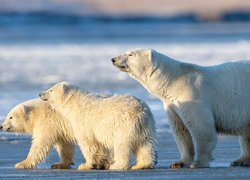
<point>200,101</point>
<point>48,129</point>
<point>108,128</point>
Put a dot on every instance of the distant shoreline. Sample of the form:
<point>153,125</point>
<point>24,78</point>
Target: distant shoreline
<point>46,17</point>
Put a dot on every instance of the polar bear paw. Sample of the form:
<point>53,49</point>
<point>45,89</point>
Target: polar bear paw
<point>141,166</point>
<point>24,165</point>
<point>61,166</point>
<point>199,164</point>
<point>241,162</point>
<point>84,167</point>
<point>177,165</point>
<point>118,167</point>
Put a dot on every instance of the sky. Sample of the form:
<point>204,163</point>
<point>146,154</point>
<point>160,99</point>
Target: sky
<point>205,9</point>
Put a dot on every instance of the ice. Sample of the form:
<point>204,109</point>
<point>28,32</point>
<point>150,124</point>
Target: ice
<point>46,64</point>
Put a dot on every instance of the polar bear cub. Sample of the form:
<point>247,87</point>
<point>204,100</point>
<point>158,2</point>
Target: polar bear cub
<point>200,101</point>
<point>48,129</point>
<point>112,128</point>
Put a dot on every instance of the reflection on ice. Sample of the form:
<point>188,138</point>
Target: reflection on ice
<point>219,165</point>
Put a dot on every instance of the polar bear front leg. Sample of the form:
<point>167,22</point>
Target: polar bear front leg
<point>66,153</point>
<point>199,120</point>
<point>244,160</point>
<point>182,138</point>
<point>88,151</point>
<point>38,152</point>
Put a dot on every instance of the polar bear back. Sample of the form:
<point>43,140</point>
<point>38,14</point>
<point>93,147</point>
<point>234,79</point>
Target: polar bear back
<point>124,113</point>
<point>101,118</point>
<point>224,89</point>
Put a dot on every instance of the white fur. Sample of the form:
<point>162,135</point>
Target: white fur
<point>200,101</point>
<point>48,129</point>
<point>108,129</point>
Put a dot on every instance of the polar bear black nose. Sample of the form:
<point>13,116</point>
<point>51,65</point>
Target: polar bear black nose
<point>113,60</point>
<point>1,127</point>
<point>40,95</point>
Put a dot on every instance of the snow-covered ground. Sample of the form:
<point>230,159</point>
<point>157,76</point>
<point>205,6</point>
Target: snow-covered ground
<point>27,69</point>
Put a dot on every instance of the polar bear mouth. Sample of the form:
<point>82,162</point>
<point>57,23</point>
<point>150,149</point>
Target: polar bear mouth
<point>41,95</point>
<point>122,68</point>
<point>9,129</point>
<point>44,99</point>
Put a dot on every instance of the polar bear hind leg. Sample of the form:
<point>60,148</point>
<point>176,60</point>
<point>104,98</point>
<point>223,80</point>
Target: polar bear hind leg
<point>122,153</point>
<point>146,157</point>
<point>244,160</point>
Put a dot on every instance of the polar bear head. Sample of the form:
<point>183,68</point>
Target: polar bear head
<point>57,94</point>
<point>135,62</point>
<point>18,120</point>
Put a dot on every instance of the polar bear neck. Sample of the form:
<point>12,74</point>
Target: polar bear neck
<point>33,112</point>
<point>161,75</point>
<point>76,97</point>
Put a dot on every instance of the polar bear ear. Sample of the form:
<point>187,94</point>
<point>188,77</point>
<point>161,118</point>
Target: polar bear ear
<point>149,54</point>
<point>66,87</point>
<point>26,109</point>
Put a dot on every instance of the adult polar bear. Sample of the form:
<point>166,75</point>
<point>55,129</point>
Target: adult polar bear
<point>200,102</point>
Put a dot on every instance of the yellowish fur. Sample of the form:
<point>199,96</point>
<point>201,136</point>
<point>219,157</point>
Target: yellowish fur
<point>108,129</point>
<point>48,129</point>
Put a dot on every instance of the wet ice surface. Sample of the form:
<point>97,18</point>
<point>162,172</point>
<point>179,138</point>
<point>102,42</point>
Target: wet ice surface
<point>227,150</point>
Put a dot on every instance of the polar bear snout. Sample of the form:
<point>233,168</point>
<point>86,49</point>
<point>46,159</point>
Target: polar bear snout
<point>7,127</point>
<point>120,63</point>
<point>43,96</point>
<point>113,60</point>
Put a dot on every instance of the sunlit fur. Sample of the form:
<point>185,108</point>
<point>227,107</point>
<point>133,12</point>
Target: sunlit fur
<point>200,101</point>
<point>48,129</point>
<point>108,128</point>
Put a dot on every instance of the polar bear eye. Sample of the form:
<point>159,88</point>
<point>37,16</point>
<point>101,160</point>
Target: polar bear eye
<point>10,117</point>
<point>51,90</point>
<point>130,54</point>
